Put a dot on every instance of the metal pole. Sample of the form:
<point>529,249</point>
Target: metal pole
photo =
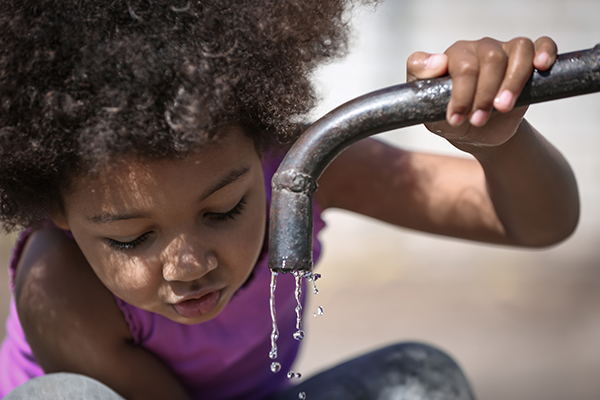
<point>295,182</point>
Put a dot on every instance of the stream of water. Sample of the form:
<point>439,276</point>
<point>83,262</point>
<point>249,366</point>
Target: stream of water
<point>299,333</point>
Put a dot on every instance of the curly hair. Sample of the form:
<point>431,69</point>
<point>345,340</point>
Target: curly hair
<point>86,82</point>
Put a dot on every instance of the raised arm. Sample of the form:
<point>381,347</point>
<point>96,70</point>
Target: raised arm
<point>517,190</point>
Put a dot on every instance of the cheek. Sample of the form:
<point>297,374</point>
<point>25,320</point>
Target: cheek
<point>128,278</point>
<point>246,243</point>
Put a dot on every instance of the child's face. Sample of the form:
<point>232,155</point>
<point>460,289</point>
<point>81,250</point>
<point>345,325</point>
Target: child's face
<point>177,238</point>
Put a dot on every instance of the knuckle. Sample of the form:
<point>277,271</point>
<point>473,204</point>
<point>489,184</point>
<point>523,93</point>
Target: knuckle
<point>467,68</point>
<point>523,43</point>
<point>494,56</point>
<point>487,41</point>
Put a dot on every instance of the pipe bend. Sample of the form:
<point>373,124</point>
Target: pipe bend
<point>294,183</point>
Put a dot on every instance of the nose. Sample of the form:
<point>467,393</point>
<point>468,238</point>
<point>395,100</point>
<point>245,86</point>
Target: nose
<point>186,260</point>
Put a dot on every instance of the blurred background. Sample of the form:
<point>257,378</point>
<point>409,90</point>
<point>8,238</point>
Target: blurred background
<point>523,324</point>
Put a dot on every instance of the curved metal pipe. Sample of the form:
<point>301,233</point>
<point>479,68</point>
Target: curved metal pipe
<point>395,107</point>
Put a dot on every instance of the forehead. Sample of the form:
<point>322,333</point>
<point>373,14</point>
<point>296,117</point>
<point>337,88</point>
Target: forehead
<point>134,180</point>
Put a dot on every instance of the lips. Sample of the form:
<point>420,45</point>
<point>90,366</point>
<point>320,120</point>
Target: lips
<point>193,308</point>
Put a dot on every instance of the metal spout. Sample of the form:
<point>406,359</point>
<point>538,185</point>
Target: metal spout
<point>294,184</point>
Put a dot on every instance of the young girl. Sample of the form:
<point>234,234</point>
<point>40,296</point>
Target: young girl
<point>137,143</point>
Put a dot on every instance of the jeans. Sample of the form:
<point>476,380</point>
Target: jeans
<point>405,371</point>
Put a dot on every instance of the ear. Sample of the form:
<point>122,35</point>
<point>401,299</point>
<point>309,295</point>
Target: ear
<point>59,219</point>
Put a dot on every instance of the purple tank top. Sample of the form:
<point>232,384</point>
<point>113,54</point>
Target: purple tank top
<point>224,358</point>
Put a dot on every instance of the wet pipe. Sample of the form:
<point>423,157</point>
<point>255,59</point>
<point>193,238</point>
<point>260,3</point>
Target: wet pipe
<point>294,184</point>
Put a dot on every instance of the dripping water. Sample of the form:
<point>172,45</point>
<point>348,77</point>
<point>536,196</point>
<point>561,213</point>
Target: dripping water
<point>275,366</point>
<point>299,334</point>
<point>293,374</point>
<point>313,278</point>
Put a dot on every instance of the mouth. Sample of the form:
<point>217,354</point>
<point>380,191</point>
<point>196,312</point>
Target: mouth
<point>195,307</point>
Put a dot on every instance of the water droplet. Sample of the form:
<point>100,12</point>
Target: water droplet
<point>299,334</point>
<point>297,294</point>
<point>302,395</point>
<point>275,367</point>
<point>290,374</point>
<point>319,310</point>
<point>274,331</point>
<point>298,375</point>
<point>313,278</point>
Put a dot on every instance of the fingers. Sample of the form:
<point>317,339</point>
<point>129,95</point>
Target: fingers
<point>421,65</point>
<point>488,74</point>
<point>477,70</point>
<point>520,66</point>
<point>545,53</point>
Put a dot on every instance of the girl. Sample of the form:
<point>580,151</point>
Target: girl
<point>137,143</point>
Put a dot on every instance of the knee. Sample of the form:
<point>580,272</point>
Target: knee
<point>425,367</point>
<point>420,354</point>
<point>63,386</point>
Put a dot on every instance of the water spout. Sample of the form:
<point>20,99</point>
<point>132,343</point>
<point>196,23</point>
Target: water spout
<point>395,107</point>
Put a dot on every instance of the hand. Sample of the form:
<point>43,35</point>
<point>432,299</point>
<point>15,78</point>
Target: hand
<point>486,74</point>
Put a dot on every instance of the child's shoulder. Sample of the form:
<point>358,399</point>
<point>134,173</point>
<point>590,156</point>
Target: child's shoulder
<point>62,305</point>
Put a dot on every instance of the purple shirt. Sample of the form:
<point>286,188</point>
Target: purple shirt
<point>224,358</point>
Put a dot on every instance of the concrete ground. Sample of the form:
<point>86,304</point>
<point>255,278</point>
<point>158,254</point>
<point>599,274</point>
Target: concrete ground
<point>525,325</point>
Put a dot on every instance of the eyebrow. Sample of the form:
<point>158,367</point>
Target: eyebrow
<point>228,179</point>
<point>232,176</point>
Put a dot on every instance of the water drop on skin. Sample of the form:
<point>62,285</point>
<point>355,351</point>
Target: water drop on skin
<point>275,367</point>
<point>302,395</point>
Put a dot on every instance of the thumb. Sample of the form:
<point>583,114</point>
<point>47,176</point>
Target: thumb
<point>421,65</point>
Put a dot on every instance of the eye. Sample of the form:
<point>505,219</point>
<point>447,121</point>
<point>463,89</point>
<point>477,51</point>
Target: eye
<point>127,246</point>
<point>229,215</point>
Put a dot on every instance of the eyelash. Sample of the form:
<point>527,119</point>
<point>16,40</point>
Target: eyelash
<point>229,215</point>
<point>126,246</point>
<point>218,217</point>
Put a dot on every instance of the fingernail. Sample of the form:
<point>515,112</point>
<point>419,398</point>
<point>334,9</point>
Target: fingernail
<point>542,58</point>
<point>478,118</point>
<point>434,61</point>
<point>505,99</point>
<point>456,119</point>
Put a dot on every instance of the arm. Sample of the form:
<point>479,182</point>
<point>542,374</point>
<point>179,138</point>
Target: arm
<point>73,323</point>
<point>519,190</point>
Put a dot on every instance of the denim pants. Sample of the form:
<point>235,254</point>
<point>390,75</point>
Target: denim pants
<point>405,371</point>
